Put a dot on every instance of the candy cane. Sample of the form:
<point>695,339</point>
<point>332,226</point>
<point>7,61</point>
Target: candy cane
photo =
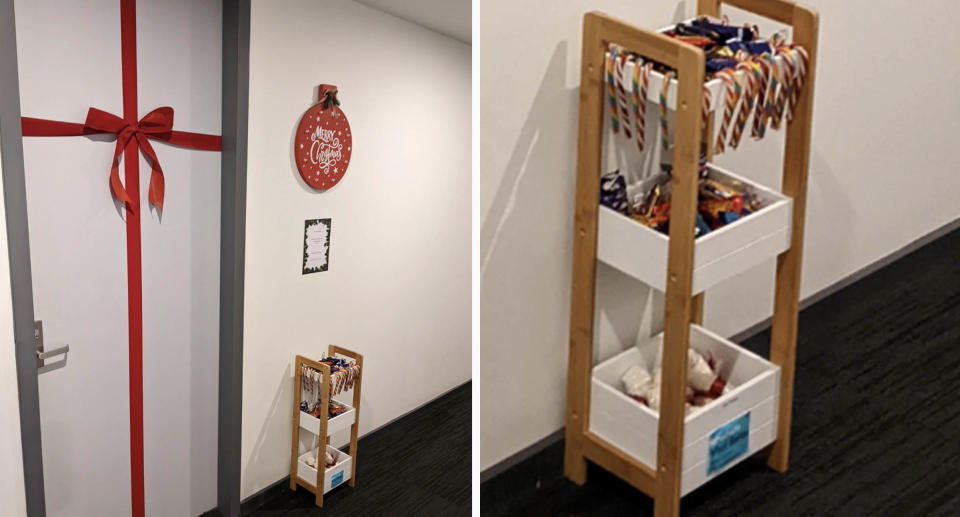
<point>791,65</point>
<point>635,90</point>
<point>732,96</point>
<point>618,66</point>
<point>642,107</point>
<point>611,91</point>
<point>770,108</point>
<point>785,67</point>
<point>705,113</point>
<point>752,77</point>
<point>664,87</point>
<point>770,111</point>
<point>802,64</point>
<point>758,127</point>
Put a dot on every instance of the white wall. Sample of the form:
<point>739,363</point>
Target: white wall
<point>882,175</point>
<point>12,498</point>
<point>398,287</point>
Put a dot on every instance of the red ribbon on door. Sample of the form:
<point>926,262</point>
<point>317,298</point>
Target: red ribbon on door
<point>158,125</point>
<point>132,134</point>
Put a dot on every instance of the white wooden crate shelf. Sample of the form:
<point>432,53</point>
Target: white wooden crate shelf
<point>673,455</point>
<point>632,427</point>
<point>641,252</point>
<point>336,424</point>
<point>333,476</point>
<point>315,377</point>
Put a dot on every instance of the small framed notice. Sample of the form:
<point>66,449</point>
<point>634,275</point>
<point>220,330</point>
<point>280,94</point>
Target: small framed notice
<point>316,245</point>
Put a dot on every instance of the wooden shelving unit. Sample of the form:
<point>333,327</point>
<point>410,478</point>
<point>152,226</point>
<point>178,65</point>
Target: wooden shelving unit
<point>321,480</point>
<point>664,480</point>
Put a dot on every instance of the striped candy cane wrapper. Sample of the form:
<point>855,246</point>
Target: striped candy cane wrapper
<point>664,87</point>
<point>758,127</point>
<point>642,106</point>
<point>802,63</point>
<point>635,92</point>
<point>786,83</point>
<point>768,109</point>
<point>752,77</point>
<point>732,96</point>
<point>618,66</point>
<point>611,91</point>
<point>705,112</point>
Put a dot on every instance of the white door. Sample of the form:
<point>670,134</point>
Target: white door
<point>69,60</point>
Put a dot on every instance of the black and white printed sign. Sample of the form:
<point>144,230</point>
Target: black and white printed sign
<point>316,245</point>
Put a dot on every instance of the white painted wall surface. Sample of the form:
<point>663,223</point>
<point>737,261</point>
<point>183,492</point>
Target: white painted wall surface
<point>398,287</point>
<point>882,174</point>
<point>12,498</point>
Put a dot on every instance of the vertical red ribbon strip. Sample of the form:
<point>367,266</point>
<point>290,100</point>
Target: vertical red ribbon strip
<point>137,133</point>
<point>131,180</point>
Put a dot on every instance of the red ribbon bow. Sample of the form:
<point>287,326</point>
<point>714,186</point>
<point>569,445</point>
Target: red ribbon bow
<point>156,122</point>
<point>158,125</point>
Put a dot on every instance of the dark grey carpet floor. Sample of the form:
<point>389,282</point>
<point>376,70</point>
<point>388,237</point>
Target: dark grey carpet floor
<point>876,427</point>
<point>417,465</point>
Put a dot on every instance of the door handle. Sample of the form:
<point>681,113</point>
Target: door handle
<point>42,354</point>
<point>51,353</point>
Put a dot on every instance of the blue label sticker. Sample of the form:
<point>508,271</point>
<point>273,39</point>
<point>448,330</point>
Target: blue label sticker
<point>728,442</point>
<point>336,479</point>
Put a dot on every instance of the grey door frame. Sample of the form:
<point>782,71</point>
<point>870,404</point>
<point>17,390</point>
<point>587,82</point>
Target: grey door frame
<point>233,203</point>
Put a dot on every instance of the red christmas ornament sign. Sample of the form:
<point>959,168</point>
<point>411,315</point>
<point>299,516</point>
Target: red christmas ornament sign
<point>323,143</point>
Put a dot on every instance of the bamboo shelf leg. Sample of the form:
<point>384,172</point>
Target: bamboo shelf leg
<point>696,309</point>
<point>708,8</point>
<point>584,249</point>
<point>783,335</point>
<point>295,439</point>
<point>321,445</point>
<point>355,428</point>
<point>677,299</point>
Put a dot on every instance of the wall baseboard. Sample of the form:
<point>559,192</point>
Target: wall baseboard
<point>857,275</point>
<point>556,436</point>
<point>518,457</point>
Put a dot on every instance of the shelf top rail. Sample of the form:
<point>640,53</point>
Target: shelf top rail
<point>656,46</point>
<point>783,11</point>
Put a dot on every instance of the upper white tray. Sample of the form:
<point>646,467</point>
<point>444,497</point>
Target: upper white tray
<point>641,252</point>
<point>338,423</point>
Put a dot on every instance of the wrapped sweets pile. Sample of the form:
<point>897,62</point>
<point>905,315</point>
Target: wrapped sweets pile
<point>762,77</point>
<point>334,409</point>
<point>704,383</point>
<point>719,203</point>
<point>329,461</point>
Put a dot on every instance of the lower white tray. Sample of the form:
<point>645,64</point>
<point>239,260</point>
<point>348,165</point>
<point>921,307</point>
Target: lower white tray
<point>716,436</point>
<point>333,476</point>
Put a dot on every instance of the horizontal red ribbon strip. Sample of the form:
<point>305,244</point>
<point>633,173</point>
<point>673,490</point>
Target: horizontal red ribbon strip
<point>157,125</point>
